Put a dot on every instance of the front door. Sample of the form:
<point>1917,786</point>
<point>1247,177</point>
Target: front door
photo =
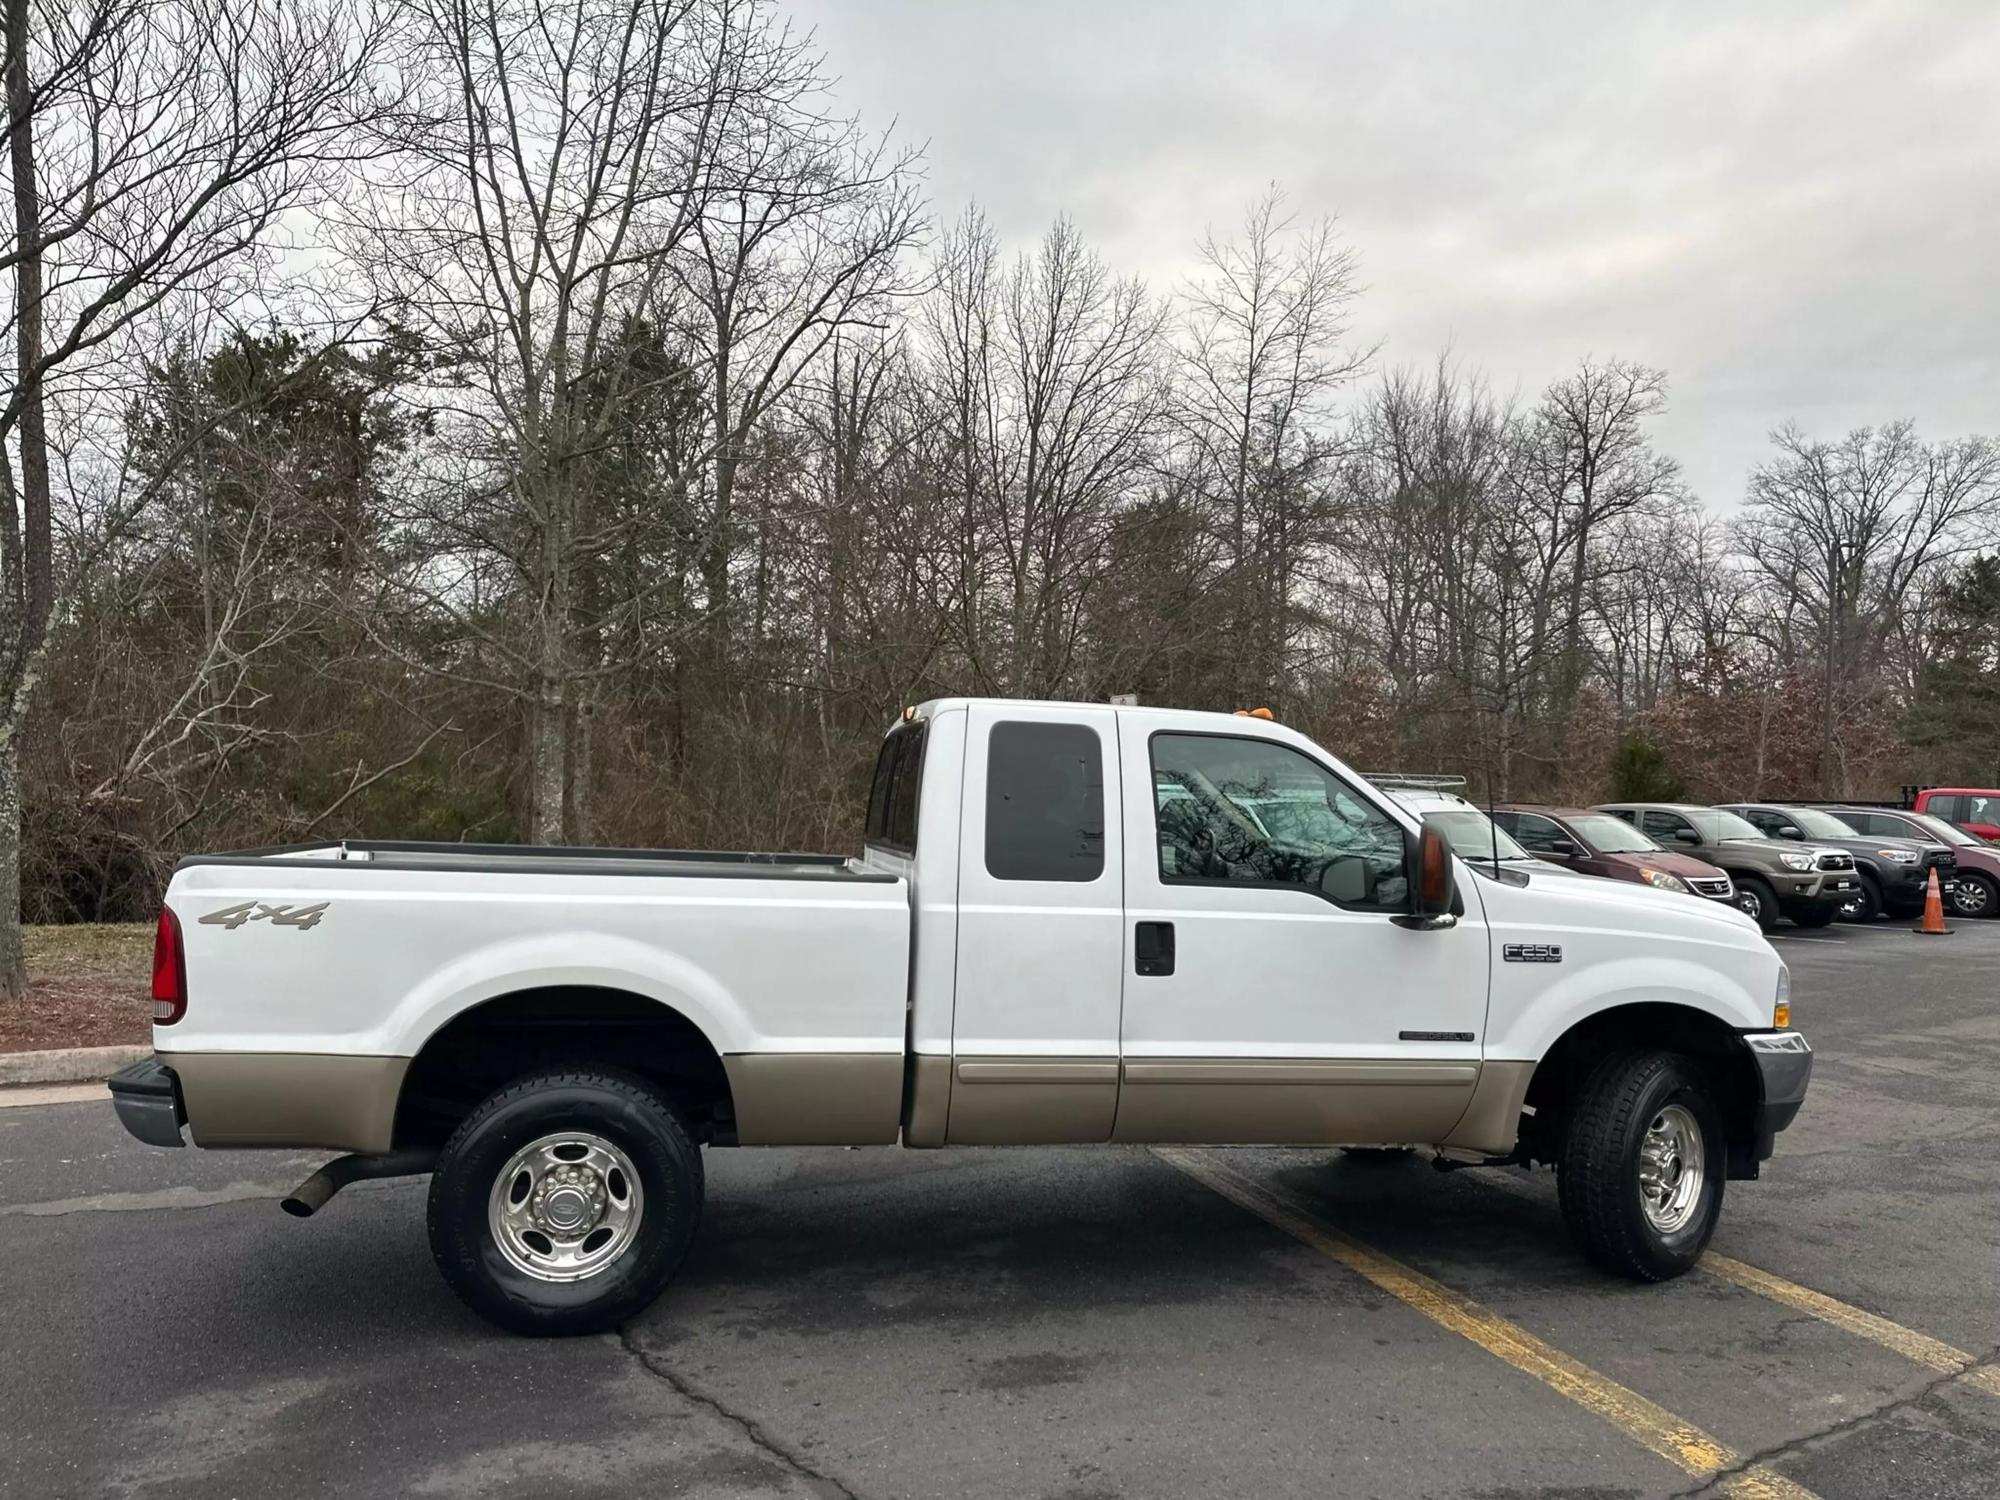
<point>1269,997</point>
<point>1040,928</point>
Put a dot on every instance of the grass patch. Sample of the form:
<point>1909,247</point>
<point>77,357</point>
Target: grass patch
<point>88,950</point>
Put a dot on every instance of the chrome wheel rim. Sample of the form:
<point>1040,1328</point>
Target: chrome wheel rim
<point>1672,1166</point>
<point>1968,898</point>
<point>565,1207</point>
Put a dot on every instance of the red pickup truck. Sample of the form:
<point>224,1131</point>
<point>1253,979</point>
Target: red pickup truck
<point>1975,809</point>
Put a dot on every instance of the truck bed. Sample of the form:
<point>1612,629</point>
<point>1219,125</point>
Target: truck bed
<point>537,859</point>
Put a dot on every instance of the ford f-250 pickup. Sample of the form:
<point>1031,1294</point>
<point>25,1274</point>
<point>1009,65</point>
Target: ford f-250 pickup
<point>1071,923</point>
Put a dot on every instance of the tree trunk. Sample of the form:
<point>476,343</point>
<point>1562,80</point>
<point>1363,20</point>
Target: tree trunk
<point>31,573</point>
<point>550,737</point>
<point>13,958</point>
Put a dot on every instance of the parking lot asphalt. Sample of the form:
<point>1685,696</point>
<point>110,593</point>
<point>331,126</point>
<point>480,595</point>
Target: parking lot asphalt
<point>1089,1322</point>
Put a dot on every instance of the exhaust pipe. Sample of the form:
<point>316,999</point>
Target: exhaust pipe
<point>310,1196</point>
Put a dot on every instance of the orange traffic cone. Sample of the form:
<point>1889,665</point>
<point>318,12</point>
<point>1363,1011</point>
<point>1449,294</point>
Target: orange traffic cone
<point>1933,922</point>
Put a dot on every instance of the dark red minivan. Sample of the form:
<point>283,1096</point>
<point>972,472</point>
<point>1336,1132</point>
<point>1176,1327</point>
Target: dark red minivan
<point>1596,843</point>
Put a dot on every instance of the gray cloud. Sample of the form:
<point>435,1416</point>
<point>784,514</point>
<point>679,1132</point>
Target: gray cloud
<point>1792,208</point>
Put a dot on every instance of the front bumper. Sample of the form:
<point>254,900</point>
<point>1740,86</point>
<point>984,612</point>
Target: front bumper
<point>147,1096</point>
<point>1784,1068</point>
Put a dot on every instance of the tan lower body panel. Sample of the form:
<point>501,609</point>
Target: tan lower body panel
<point>929,1104</point>
<point>1033,1101</point>
<point>341,1103</point>
<point>816,1098</point>
<point>1291,1102</point>
<point>1492,1121</point>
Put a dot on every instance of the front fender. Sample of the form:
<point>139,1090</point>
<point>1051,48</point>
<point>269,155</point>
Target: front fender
<point>1537,1012</point>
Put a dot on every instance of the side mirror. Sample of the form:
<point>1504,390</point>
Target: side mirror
<point>1787,831</point>
<point>1563,849</point>
<point>1433,889</point>
<point>1687,836</point>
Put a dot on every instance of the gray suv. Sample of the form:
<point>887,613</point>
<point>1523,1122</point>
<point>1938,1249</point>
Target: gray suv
<point>1806,882</point>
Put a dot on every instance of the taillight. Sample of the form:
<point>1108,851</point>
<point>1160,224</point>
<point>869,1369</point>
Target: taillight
<point>170,971</point>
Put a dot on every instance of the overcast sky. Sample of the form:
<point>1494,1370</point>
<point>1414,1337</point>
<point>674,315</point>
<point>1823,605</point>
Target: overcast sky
<point>1794,209</point>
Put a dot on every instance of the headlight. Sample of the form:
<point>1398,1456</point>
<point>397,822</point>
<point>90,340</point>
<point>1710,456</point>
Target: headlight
<point>1793,861</point>
<point>1781,1005</point>
<point>1900,856</point>
<point>1662,880</point>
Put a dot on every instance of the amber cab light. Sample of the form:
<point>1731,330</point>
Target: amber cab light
<point>170,979</point>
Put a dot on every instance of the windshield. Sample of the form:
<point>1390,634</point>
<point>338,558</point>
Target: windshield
<point>1937,828</point>
<point>1609,835</point>
<point>1821,825</point>
<point>1716,824</point>
<point>1473,835</point>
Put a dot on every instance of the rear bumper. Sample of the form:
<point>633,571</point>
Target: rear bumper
<point>1784,1068</point>
<point>147,1097</point>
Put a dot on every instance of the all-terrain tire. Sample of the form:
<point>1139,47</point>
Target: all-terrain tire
<point>1599,1180</point>
<point>624,1111</point>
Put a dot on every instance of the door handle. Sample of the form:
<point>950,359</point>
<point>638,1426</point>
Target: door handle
<point>1153,948</point>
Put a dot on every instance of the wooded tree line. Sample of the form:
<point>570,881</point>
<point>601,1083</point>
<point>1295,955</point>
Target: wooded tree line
<point>553,420</point>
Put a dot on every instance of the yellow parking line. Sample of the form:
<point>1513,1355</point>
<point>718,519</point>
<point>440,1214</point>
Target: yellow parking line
<point>1680,1443</point>
<point>1918,1347</point>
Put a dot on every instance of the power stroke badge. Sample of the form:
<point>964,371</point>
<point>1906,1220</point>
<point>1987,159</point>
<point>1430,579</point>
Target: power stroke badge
<point>1532,953</point>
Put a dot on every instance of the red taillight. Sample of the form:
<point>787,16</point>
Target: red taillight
<point>170,971</point>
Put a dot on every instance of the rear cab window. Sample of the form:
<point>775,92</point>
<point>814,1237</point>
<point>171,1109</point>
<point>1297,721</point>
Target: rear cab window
<point>893,791</point>
<point>1044,802</point>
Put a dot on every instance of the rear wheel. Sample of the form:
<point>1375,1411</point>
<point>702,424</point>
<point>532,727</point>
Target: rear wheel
<point>565,1202</point>
<point>1865,905</point>
<point>1975,895</point>
<point>1756,897</point>
<point>1642,1165</point>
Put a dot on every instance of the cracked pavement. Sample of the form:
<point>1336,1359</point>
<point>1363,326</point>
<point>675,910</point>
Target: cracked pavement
<point>1078,1323</point>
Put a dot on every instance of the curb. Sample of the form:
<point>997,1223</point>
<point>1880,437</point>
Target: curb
<point>68,1064</point>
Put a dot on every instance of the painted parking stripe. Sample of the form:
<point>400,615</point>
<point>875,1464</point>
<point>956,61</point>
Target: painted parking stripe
<point>1920,1348</point>
<point>1654,1428</point>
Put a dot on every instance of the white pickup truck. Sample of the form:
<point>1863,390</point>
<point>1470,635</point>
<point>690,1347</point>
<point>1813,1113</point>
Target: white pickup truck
<point>1072,924</point>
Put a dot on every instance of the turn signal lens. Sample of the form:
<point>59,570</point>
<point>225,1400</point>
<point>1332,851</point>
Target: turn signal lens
<point>169,971</point>
<point>1781,1017</point>
<point>1781,1009</point>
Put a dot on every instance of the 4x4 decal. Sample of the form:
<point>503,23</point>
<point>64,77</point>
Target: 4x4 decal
<point>233,917</point>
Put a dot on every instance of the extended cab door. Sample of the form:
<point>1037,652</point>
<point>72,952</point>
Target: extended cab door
<point>1270,997</point>
<point>1040,927</point>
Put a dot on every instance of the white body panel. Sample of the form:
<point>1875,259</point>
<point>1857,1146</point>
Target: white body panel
<point>760,965</point>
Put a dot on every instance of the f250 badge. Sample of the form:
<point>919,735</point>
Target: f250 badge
<point>1523,953</point>
<point>233,917</point>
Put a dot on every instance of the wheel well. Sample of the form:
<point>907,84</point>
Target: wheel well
<point>1711,1044</point>
<point>483,1048</point>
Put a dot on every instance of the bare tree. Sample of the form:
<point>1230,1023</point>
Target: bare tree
<point>1846,531</point>
<point>154,150</point>
<point>1263,326</point>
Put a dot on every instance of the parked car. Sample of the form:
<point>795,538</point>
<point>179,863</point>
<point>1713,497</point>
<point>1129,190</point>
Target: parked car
<point>1472,834</point>
<point>1038,946</point>
<point>1596,843</point>
<point>1894,871</point>
<point>1975,886</point>
<point>1804,882</point>
<point>1975,809</point>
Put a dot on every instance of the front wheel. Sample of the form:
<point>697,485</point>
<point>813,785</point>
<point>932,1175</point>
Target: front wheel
<point>1975,896</point>
<point>565,1202</point>
<point>1642,1166</point>
<point>1865,905</point>
<point>1758,901</point>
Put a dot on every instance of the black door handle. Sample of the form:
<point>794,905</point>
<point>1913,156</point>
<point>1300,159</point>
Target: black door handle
<point>1153,948</point>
